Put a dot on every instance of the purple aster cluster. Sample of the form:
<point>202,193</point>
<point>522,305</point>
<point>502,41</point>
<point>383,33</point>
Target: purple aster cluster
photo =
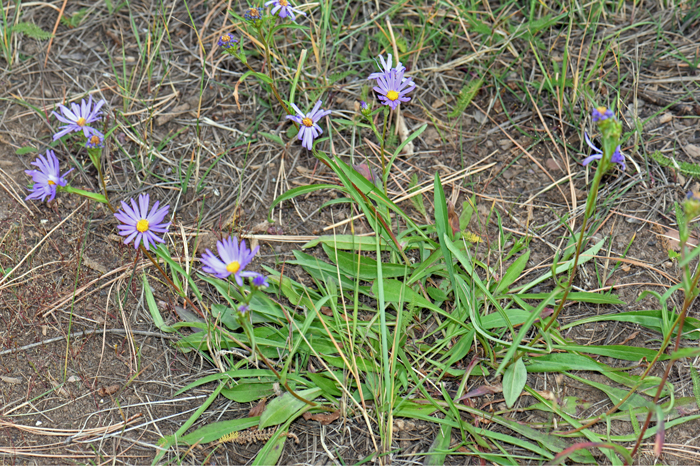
<point>284,8</point>
<point>392,86</point>
<point>253,14</point>
<point>601,113</point>
<point>47,177</point>
<point>95,140</point>
<point>233,259</point>
<point>617,157</point>
<point>226,41</point>
<point>78,118</point>
<point>260,281</point>
<point>138,224</point>
<point>308,123</point>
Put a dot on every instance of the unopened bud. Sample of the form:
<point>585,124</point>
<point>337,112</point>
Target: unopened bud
<point>691,206</point>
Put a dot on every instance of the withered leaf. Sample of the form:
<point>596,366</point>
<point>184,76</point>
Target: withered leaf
<point>108,391</point>
<point>323,418</point>
<point>452,218</point>
<point>259,408</point>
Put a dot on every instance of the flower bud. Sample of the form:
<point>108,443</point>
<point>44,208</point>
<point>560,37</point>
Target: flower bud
<point>691,206</point>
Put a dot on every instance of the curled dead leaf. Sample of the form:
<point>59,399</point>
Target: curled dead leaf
<point>258,409</point>
<point>452,218</point>
<point>109,390</point>
<point>323,418</point>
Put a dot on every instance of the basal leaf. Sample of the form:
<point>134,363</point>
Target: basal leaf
<point>281,408</point>
<point>514,379</point>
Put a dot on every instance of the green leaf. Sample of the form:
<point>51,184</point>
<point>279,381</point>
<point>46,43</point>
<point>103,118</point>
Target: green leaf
<point>302,190</point>
<point>583,258</point>
<point>412,136</point>
<point>153,307</point>
<point>622,352</point>
<point>466,95</point>
<point>272,137</point>
<point>585,297</point>
<point>272,451</point>
<point>696,383</point>
<point>260,76</point>
<point>164,254</point>
<point>650,319</point>
<point>442,225</point>
<point>615,394</point>
<point>281,408</point>
<point>514,379</point>
<point>512,273</point>
<point>346,242</point>
<point>467,211</point>
<point>560,362</point>
<point>348,263</point>
<point>248,391</point>
<point>440,447</point>
<point>25,150</point>
<point>32,30</point>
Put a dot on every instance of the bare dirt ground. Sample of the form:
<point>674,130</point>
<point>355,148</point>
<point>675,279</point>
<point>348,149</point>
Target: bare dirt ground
<point>85,376</point>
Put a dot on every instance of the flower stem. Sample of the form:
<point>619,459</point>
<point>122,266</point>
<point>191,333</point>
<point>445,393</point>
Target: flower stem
<point>690,296</point>
<point>384,178</point>
<point>268,66</point>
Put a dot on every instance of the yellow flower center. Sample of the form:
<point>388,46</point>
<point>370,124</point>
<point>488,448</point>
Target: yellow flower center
<point>225,38</point>
<point>253,12</point>
<point>233,267</point>
<point>392,95</point>
<point>142,225</point>
<point>51,182</point>
<point>81,121</point>
<point>308,122</point>
<point>602,110</point>
<point>95,140</point>
<point>283,2</point>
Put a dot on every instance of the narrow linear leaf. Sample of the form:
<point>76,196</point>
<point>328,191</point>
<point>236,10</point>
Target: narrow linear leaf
<point>153,307</point>
<point>302,190</point>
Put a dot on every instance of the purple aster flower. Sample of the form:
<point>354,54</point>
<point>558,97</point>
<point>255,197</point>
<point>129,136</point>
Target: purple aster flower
<point>601,113</point>
<point>308,127</point>
<point>393,88</point>
<point>284,8</point>
<point>234,259</point>
<point>386,67</point>
<point>95,140</point>
<point>226,41</point>
<point>140,224</point>
<point>78,117</point>
<point>253,14</point>
<point>617,157</point>
<point>260,281</point>
<point>47,177</point>
<point>243,309</point>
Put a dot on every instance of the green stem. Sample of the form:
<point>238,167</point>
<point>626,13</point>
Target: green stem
<point>384,179</point>
<point>690,296</point>
<point>268,66</point>
<point>590,209</point>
